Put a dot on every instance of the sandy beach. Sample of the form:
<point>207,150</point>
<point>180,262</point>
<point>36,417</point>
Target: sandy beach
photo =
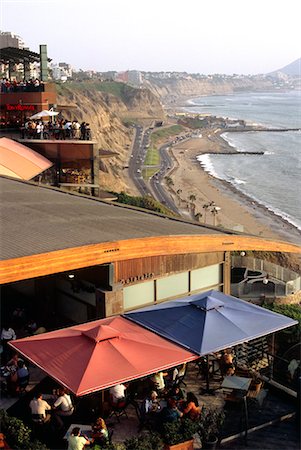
<point>238,211</point>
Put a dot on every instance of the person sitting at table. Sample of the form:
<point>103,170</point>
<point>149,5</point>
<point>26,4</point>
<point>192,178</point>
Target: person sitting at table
<point>100,434</point>
<point>13,362</point>
<point>63,406</point>
<point>170,413</point>
<point>117,394</point>
<point>22,376</point>
<point>151,403</point>
<point>159,382</point>
<point>192,409</point>
<point>38,408</point>
<point>76,441</point>
<point>226,363</point>
<point>176,393</point>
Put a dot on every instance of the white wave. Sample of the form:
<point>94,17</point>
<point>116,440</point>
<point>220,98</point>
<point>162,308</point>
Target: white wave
<point>274,210</point>
<point>238,181</point>
<point>207,165</point>
<point>226,138</point>
<point>269,153</point>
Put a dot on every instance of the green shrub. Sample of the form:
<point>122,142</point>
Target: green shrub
<point>146,202</point>
<point>210,423</point>
<point>292,334</point>
<point>179,431</point>
<point>149,441</point>
<point>18,435</point>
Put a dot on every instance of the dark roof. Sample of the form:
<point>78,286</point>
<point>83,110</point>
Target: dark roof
<point>37,219</point>
<point>18,55</point>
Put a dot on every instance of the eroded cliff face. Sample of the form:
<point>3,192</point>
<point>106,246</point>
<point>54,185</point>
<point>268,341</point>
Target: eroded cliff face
<point>104,112</point>
<point>173,89</point>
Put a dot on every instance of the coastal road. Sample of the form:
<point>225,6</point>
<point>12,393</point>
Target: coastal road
<point>137,158</point>
<point>158,190</point>
<point>154,187</point>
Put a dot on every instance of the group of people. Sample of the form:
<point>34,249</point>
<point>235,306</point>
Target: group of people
<point>32,85</point>
<point>173,406</point>
<point>43,412</point>
<point>100,436</point>
<point>16,375</point>
<point>62,407</point>
<point>60,129</point>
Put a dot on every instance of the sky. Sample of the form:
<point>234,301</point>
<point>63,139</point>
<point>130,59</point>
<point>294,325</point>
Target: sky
<point>195,36</point>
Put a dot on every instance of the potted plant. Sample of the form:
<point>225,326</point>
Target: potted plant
<point>210,423</point>
<point>178,435</point>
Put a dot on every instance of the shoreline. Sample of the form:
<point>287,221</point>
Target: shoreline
<point>238,210</point>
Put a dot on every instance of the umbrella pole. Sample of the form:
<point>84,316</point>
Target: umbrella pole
<point>207,390</point>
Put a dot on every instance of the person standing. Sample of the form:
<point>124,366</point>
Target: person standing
<point>7,334</point>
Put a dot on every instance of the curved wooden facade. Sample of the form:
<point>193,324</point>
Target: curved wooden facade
<point>43,264</point>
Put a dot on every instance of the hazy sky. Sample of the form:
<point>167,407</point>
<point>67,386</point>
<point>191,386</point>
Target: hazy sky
<point>205,36</point>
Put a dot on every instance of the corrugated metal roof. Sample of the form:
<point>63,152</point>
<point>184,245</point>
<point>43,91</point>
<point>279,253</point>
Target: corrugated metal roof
<point>37,219</point>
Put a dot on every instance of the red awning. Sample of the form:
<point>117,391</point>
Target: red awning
<point>19,161</point>
<point>97,355</point>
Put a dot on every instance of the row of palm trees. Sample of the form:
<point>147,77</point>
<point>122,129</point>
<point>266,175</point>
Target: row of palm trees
<point>209,207</point>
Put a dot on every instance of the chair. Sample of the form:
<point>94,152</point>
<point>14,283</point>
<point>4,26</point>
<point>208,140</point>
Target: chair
<point>256,393</point>
<point>118,410</point>
<point>180,376</point>
<point>110,435</point>
<point>22,384</point>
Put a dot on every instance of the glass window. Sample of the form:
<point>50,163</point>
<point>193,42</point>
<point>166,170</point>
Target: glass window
<point>206,277</point>
<point>138,295</point>
<point>172,286</point>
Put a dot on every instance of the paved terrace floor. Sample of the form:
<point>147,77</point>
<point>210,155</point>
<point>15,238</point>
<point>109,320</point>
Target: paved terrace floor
<point>282,435</point>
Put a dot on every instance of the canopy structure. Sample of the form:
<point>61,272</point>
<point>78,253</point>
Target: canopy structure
<point>18,55</point>
<point>211,321</point>
<point>44,113</point>
<point>19,161</point>
<point>97,355</point>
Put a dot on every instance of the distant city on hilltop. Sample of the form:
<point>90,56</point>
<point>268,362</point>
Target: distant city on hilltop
<point>287,77</point>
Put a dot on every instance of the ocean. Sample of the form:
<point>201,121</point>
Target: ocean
<point>274,178</point>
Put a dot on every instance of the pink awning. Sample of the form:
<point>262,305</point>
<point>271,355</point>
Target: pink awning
<point>19,161</point>
<point>97,355</point>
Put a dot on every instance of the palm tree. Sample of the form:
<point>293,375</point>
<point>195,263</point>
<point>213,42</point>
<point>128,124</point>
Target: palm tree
<point>179,192</point>
<point>169,181</point>
<point>192,197</point>
<point>205,208</point>
<point>198,216</point>
<point>214,211</point>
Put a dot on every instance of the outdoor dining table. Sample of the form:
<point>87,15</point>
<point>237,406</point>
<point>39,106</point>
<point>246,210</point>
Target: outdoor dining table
<point>236,383</point>
<point>239,387</point>
<point>85,430</point>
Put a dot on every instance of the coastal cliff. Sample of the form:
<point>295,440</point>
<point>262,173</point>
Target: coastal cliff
<point>107,112</point>
<point>171,90</point>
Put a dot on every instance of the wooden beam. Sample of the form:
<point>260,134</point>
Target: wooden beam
<point>90,255</point>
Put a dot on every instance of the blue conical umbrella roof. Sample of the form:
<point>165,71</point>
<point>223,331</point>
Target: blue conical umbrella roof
<point>210,321</point>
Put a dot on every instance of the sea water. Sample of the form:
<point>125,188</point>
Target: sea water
<point>274,178</point>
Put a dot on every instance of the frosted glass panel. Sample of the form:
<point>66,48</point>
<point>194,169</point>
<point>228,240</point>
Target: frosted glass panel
<point>172,286</point>
<point>207,276</point>
<point>138,295</point>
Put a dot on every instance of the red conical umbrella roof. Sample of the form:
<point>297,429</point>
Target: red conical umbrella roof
<point>89,357</point>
